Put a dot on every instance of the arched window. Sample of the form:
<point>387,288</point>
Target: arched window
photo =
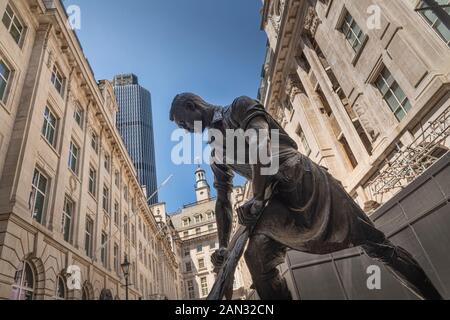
<point>24,283</point>
<point>198,218</point>
<point>60,293</point>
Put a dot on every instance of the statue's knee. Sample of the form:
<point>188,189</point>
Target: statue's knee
<point>255,253</point>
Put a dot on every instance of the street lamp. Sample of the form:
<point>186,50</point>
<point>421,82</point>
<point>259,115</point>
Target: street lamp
<point>126,272</point>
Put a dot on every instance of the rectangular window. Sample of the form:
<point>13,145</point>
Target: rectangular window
<point>74,154</point>
<point>199,248</point>
<point>352,32</point>
<point>94,141</point>
<point>191,290</point>
<point>187,252</point>
<point>429,13</point>
<point>125,226</point>
<point>88,236</point>
<point>39,191</point>
<point>5,79</point>
<point>201,263</point>
<point>117,179</point>
<point>125,193</point>
<point>198,230</point>
<point>394,96</point>
<point>188,267</point>
<point>133,234</point>
<point>186,233</point>
<point>13,23</point>
<point>116,258</point>
<point>107,163</point>
<point>105,198</point>
<point>57,80</point>
<point>116,213</point>
<point>210,227</point>
<point>67,219</point>
<point>49,127</point>
<point>303,141</point>
<point>104,250</point>
<point>92,181</point>
<point>78,115</point>
<point>140,224</point>
<point>204,285</point>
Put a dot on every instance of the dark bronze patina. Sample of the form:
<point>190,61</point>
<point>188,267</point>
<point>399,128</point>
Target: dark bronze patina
<point>308,210</point>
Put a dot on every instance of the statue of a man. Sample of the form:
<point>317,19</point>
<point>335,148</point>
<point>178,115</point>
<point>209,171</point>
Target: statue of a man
<point>309,211</point>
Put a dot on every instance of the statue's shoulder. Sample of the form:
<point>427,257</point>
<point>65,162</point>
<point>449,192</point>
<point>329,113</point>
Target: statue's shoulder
<point>242,108</point>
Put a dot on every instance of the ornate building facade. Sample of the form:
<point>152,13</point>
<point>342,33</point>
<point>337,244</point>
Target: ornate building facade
<point>69,196</point>
<point>197,229</point>
<point>363,86</point>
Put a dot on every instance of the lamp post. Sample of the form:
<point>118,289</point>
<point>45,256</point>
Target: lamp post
<point>126,269</point>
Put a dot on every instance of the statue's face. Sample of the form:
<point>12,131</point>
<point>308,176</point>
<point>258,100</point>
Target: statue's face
<point>185,118</point>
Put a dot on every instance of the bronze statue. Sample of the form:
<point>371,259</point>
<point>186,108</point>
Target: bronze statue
<point>309,210</point>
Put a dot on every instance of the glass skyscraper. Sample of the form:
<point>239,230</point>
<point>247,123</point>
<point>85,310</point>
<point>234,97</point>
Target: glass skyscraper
<point>135,124</point>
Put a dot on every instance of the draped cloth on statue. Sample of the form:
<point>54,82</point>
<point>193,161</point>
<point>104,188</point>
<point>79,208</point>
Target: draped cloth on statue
<point>311,211</point>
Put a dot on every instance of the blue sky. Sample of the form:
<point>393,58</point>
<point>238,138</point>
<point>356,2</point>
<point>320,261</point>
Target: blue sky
<point>210,47</point>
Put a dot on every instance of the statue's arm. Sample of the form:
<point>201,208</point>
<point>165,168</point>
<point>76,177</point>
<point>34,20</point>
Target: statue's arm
<point>223,182</point>
<point>261,144</point>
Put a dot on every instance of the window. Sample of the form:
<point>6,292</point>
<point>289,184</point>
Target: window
<point>38,191</point>
<point>353,32</point>
<point>107,163</point>
<point>117,178</point>
<point>13,24</point>
<point>303,141</point>
<point>49,127</point>
<point>186,233</point>
<point>94,141</point>
<point>78,115</point>
<point>60,292</point>
<point>104,249</point>
<point>212,245</point>
<point>201,263</point>
<point>74,154</point>
<point>88,236</point>
<point>5,77</point>
<point>200,248</point>
<point>210,227</point>
<point>140,251</point>
<point>188,267</point>
<point>210,215</point>
<point>116,213</point>
<point>133,234</point>
<point>92,181</point>
<point>67,219</point>
<point>24,283</point>
<point>198,218</point>
<point>140,224</point>
<point>116,258</point>
<point>125,226</point>
<point>204,285</point>
<point>198,230</point>
<point>186,222</point>
<point>434,21</point>
<point>125,193</point>
<point>190,288</point>
<point>145,257</point>
<point>187,252</point>
<point>57,80</point>
<point>106,199</point>
<point>393,94</point>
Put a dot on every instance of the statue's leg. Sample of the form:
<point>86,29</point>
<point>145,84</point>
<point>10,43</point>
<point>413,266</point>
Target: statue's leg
<point>400,263</point>
<point>263,255</point>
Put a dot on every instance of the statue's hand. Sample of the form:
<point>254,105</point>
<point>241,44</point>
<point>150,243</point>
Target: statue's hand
<point>249,213</point>
<point>218,258</point>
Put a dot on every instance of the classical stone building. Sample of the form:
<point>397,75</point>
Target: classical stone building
<point>197,229</point>
<point>363,87</point>
<point>69,196</point>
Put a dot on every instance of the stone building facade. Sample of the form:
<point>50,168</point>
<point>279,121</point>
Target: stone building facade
<point>197,229</point>
<point>69,197</point>
<point>362,85</point>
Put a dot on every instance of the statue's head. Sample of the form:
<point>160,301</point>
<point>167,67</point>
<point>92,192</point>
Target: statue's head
<point>188,108</point>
